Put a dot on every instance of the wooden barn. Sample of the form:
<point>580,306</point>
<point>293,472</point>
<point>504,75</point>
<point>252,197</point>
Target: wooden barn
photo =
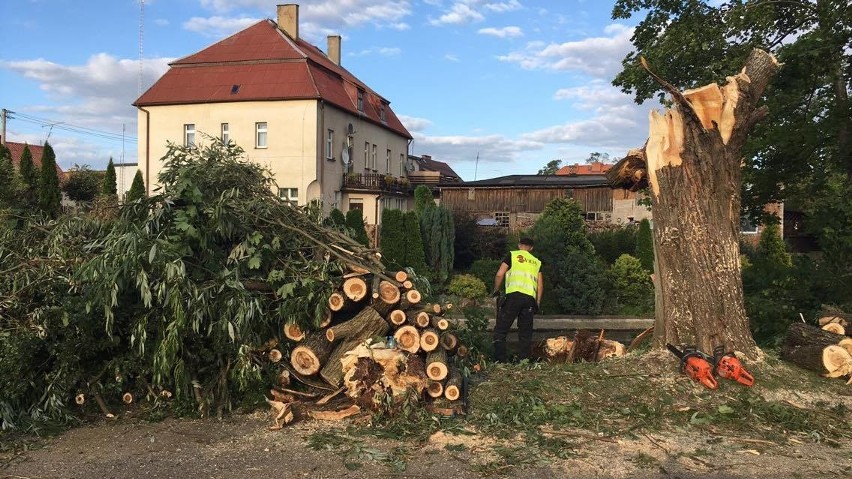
<point>516,201</point>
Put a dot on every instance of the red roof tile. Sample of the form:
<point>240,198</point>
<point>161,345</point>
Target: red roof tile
<point>267,65</point>
<point>594,168</point>
<point>17,149</point>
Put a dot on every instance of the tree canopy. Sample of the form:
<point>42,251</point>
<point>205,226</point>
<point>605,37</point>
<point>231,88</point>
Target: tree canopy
<point>50,196</point>
<point>550,168</point>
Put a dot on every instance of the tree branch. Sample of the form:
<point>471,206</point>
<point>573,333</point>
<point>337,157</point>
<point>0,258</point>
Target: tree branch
<point>675,93</point>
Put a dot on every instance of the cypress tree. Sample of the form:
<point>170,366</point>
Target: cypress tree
<point>336,219</point>
<point>392,239</point>
<point>50,196</point>
<point>645,245</point>
<point>110,186</point>
<point>137,188</point>
<point>29,176</point>
<point>439,234</point>
<point>355,223</point>
<point>422,199</point>
<point>8,179</point>
<point>415,257</point>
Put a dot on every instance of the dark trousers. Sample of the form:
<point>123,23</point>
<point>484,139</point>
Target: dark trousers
<point>516,306</point>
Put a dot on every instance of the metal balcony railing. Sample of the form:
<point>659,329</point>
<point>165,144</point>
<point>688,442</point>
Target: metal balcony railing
<point>376,182</point>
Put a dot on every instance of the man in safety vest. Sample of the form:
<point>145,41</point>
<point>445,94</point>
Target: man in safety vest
<point>524,285</point>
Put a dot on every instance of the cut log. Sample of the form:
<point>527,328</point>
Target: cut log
<point>355,289</point>
<point>312,352</point>
<point>610,349</point>
<point>435,389</point>
<point>407,338</point>
<point>452,389</point>
<point>368,319</point>
<point>371,325</point>
<point>400,276</point>
<point>837,361</point>
<point>436,365</point>
<point>293,332</point>
<point>834,318</point>
<point>445,407</point>
<point>449,342</point>
<point>554,350</point>
<point>407,284</point>
<point>410,298</point>
<point>327,317</point>
<point>397,317</point>
<point>419,319</point>
<point>433,308</point>
<point>338,302</point>
<point>462,351</point>
<point>336,415</point>
<point>804,345</point>
<point>274,355</point>
<point>441,324</point>
<point>429,340</point>
<point>80,399</point>
<point>127,398</point>
<point>835,328</point>
<point>375,374</point>
<point>386,297</point>
<point>846,344</point>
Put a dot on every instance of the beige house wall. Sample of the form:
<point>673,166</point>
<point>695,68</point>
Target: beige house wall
<point>297,147</point>
<point>124,177</point>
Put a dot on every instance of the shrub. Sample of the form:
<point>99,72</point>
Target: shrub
<point>415,256</point>
<point>137,188</point>
<point>645,245</point>
<point>632,286</point>
<point>485,270</point>
<point>392,239</point>
<point>355,224</point>
<point>610,244</point>
<point>467,286</point>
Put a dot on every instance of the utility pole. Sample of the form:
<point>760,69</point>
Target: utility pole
<point>3,127</point>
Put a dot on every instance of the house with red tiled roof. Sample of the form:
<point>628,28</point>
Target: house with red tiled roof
<point>323,133</point>
<point>593,168</point>
<point>17,149</point>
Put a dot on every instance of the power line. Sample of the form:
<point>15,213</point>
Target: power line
<point>69,127</point>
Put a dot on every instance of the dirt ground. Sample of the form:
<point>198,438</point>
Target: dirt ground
<point>242,447</point>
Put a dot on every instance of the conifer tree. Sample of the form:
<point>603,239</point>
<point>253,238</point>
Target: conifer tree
<point>50,196</point>
<point>355,223</point>
<point>415,257</point>
<point>110,186</point>
<point>422,199</point>
<point>439,234</point>
<point>645,245</point>
<point>8,179</point>
<point>29,176</point>
<point>137,188</point>
<point>392,239</point>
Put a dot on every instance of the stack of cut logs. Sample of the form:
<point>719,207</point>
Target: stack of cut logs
<point>827,349</point>
<point>415,354</point>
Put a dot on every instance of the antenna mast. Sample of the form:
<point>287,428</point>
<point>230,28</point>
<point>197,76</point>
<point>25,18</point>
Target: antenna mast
<point>141,37</point>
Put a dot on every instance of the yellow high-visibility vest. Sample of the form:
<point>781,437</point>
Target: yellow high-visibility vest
<point>522,276</point>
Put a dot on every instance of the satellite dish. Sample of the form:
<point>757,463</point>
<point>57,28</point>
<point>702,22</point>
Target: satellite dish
<point>344,155</point>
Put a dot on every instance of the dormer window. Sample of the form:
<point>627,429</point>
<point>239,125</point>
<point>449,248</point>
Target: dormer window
<point>360,100</point>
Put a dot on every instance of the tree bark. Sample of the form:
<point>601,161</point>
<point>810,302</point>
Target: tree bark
<point>370,325</point>
<point>308,357</point>
<point>804,345</point>
<point>692,159</point>
<point>367,318</point>
<point>452,389</point>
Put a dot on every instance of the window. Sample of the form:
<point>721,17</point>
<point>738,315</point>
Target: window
<point>360,100</point>
<point>595,216</point>
<point>502,218</point>
<point>373,158</point>
<point>747,226</point>
<point>387,162</point>
<point>329,145</point>
<point>260,135</point>
<point>382,112</point>
<point>356,204</point>
<point>366,155</point>
<point>290,195</point>
<point>226,133</point>
<point>401,164</point>
<point>189,134</point>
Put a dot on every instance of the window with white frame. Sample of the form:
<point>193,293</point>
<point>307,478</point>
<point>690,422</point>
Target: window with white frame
<point>290,195</point>
<point>387,162</point>
<point>401,164</point>
<point>360,100</point>
<point>189,134</point>
<point>260,137</point>
<point>747,226</point>
<point>502,218</point>
<point>366,155</point>
<point>329,145</point>
<point>373,159</point>
<point>226,133</point>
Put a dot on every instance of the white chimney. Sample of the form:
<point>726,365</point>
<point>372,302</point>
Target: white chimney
<point>288,19</point>
<point>334,48</point>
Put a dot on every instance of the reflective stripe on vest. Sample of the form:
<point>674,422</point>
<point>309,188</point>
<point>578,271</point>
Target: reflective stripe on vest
<point>522,276</point>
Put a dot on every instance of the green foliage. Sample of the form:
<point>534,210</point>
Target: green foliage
<point>475,242</point>
<point>9,181</point>
<point>467,286</point>
<point>423,199</point>
<point>137,188</point>
<point>392,240</point>
<point>632,286</point>
<point>356,227</point>
<point>83,184</point>
<point>574,280</point>
<point>29,175</point>
<point>336,219</point>
<point>110,184</point>
<point>415,255</point>
<point>438,231</point>
<point>611,243</point>
<point>50,196</point>
<point>485,270</point>
<point>645,245</point>
<point>550,168</point>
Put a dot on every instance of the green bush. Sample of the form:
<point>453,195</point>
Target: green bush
<point>485,270</point>
<point>355,224</point>
<point>438,238</point>
<point>632,286</point>
<point>467,286</point>
<point>610,244</point>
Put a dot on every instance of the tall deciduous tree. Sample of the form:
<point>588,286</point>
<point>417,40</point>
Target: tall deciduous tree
<point>50,196</point>
<point>137,188</point>
<point>550,168</point>
<point>83,184</point>
<point>110,185</point>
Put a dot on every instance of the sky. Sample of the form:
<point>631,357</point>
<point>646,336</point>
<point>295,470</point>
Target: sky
<point>514,83</point>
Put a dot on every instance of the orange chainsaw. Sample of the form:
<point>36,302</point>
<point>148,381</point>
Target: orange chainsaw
<point>728,366</point>
<point>696,365</point>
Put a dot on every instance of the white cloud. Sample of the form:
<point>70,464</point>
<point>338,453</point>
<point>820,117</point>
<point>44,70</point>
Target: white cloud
<point>161,22</point>
<point>501,7</point>
<point>452,57</point>
<point>383,51</point>
<point>460,13</point>
<point>505,32</point>
<point>597,56</point>
<point>460,149</point>
<point>218,26</point>
<point>414,124</point>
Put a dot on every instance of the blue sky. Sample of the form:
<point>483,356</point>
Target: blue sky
<point>516,82</point>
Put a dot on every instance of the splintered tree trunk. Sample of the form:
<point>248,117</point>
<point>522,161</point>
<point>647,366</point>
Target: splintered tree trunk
<point>693,159</point>
<point>369,324</point>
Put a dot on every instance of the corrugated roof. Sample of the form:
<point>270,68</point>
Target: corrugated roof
<point>546,181</point>
<point>261,63</point>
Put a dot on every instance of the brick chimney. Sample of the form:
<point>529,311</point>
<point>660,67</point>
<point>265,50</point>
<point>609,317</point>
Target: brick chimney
<point>334,48</point>
<point>288,19</point>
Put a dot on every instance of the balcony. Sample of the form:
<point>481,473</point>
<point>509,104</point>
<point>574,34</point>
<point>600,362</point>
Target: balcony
<point>375,182</point>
